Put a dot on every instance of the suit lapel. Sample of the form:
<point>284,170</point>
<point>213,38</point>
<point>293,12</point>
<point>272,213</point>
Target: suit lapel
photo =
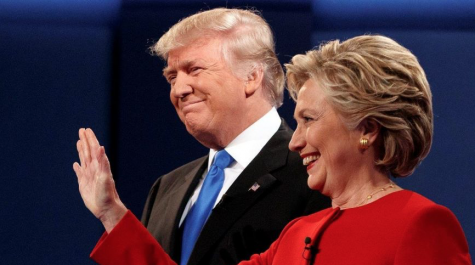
<point>253,183</point>
<point>167,232</point>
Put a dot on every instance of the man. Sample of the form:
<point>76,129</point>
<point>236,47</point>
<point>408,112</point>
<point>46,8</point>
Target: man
<point>226,83</point>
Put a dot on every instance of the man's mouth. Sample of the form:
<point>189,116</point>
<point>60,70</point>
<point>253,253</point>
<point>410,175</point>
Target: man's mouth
<point>187,105</point>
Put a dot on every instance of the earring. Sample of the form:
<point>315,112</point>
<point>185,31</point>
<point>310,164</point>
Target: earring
<point>364,144</point>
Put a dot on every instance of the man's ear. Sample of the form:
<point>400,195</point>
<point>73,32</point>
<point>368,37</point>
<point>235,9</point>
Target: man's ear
<point>254,80</point>
<point>369,129</point>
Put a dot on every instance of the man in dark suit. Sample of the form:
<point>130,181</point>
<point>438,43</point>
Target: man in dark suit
<point>237,80</point>
<point>226,83</point>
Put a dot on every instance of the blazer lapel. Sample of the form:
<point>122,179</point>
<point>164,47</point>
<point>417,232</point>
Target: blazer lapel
<point>167,232</point>
<point>253,183</point>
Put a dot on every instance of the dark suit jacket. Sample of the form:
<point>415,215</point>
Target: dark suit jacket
<point>245,221</point>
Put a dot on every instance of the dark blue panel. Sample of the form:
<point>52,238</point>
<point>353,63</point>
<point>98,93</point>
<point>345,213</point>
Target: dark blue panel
<point>53,80</point>
<point>394,14</point>
<point>446,175</point>
<point>91,12</point>
<point>193,4</point>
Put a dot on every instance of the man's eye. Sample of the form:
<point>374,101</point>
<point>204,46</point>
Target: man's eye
<point>307,119</point>
<point>195,69</point>
<point>171,78</point>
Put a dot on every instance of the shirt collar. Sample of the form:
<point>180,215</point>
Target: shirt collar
<point>245,147</point>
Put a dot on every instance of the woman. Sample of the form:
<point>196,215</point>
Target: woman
<point>364,114</point>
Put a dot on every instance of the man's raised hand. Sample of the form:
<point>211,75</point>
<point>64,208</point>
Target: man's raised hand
<point>96,184</point>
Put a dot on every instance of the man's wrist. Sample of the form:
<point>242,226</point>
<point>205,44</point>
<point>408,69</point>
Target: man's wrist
<point>113,216</point>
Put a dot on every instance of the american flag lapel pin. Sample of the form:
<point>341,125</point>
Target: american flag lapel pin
<point>254,187</point>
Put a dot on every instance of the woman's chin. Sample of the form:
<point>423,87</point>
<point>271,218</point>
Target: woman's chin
<point>314,184</point>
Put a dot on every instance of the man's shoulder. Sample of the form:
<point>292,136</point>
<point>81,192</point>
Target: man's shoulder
<point>188,166</point>
<point>177,174</point>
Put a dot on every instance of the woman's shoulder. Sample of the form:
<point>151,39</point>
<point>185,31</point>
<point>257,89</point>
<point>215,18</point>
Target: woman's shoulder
<point>406,207</point>
<point>431,233</point>
<point>418,199</point>
<point>417,203</point>
<point>424,232</point>
<point>406,199</point>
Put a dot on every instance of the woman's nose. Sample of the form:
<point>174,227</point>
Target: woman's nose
<point>297,143</point>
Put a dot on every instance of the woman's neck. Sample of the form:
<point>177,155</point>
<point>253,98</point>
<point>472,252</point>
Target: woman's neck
<point>362,189</point>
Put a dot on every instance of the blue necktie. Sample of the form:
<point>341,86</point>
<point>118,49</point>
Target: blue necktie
<point>200,211</point>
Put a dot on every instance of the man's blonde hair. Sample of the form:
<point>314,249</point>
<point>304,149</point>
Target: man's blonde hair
<point>373,77</point>
<point>247,43</point>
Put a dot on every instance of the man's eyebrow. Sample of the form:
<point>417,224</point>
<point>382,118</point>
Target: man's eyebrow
<point>167,71</point>
<point>181,65</point>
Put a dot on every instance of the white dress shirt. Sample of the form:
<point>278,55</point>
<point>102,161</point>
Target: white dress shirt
<point>244,148</point>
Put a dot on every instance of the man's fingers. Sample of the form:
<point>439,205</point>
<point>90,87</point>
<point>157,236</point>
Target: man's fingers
<point>81,155</point>
<point>85,147</point>
<point>79,147</point>
<point>105,165</point>
<point>92,136</point>
<point>77,170</point>
<point>93,144</point>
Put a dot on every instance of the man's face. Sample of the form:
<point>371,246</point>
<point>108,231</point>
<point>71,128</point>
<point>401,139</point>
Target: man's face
<point>207,96</point>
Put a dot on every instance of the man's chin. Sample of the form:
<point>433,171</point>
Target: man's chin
<point>204,136</point>
<point>195,130</point>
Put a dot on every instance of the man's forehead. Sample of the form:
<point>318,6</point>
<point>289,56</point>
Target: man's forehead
<point>195,44</point>
<point>178,64</point>
<point>187,56</point>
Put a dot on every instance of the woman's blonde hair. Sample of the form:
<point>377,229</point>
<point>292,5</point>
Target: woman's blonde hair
<point>247,43</point>
<point>375,78</point>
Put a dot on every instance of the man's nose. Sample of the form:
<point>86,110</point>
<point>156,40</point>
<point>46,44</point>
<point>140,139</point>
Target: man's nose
<point>182,86</point>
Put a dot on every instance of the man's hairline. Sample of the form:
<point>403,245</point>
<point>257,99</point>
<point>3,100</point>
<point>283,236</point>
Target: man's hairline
<point>223,47</point>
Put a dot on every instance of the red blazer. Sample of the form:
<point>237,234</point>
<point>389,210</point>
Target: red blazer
<point>401,228</point>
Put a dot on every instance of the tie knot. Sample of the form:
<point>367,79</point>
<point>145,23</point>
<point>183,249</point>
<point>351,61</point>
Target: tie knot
<point>223,159</point>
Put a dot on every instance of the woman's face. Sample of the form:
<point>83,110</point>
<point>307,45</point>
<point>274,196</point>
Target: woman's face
<point>328,149</point>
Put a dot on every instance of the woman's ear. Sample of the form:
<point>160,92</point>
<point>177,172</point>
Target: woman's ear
<point>254,80</point>
<point>369,129</point>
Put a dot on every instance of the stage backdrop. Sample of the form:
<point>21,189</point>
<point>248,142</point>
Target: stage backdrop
<point>67,64</point>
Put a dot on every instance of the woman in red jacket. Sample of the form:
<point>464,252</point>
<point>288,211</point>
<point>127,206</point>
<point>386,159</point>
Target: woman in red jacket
<point>364,115</point>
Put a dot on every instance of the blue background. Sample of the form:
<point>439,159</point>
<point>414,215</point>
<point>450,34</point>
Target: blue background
<point>67,64</point>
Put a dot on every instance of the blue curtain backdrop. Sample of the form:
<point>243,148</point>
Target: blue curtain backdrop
<point>67,64</point>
